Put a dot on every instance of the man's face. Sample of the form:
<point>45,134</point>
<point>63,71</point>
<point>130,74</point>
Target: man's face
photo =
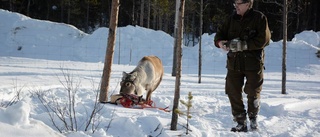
<point>241,7</point>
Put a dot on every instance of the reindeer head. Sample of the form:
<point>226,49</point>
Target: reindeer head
<point>127,83</point>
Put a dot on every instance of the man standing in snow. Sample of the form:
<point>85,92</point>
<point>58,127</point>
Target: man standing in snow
<point>244,34</point>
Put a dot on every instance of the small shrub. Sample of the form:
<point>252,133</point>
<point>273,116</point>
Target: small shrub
<point>187,112</point>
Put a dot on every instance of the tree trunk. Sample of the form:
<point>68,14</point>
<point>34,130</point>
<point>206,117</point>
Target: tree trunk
<point>200,41</point>
<point>305,16</point>
<point>28,8</point>
<point>315,15</point>
<point>166,23</point>
<point>193,29</point>
<point>154,15</point>
<point>61,11</point>
<point>174,65</point>
<point>174,119</point>
<point>141,12</point>
<point>154,21</point>
<point>11,5</point>
<point>297,29</point>
<point>284,50</point>
<point>133,13</point>
<point>48,11</point>
<point>69,11</point>
<point>149,14</point>
<point>109,53</point>
<point>160,22</point>
<point>87,17</point>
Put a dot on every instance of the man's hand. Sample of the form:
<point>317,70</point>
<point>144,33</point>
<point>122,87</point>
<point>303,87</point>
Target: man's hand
<point>223,46</point>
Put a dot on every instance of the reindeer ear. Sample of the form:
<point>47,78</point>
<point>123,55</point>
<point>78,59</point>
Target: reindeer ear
<point>133,76</point>
<point>124,75</point>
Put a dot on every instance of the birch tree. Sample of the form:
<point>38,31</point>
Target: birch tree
<point>109,53</point>
<point>141,13</point>
<point>284,49</point>
<point>178,53</point>
<point>284,13</point>
<point>174,66</point>
<point>200,42</point>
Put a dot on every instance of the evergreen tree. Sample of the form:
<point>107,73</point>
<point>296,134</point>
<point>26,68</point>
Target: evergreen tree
<point>186,113</point>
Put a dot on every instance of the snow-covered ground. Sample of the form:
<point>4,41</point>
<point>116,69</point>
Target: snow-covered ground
<point>36,56</point>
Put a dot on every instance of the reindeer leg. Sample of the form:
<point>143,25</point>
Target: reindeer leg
<point>148,98</point>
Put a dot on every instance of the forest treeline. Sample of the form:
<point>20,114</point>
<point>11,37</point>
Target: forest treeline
<point>88,15</point>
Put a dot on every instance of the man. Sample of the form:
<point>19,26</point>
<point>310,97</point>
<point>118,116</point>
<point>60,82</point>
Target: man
<point>244,34</point>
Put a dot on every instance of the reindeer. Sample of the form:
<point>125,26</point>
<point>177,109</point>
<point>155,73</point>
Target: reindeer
<point>146,77</point>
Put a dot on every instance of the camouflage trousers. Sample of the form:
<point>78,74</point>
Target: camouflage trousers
<point>252,87</point>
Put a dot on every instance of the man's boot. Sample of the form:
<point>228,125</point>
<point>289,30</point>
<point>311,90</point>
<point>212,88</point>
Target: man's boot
<point>241,119</point>
<point>253,123</point>
<point>241,127</point>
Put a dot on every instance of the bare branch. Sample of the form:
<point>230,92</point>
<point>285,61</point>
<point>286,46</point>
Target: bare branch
<point>16,97</point>
<point>39,94</point>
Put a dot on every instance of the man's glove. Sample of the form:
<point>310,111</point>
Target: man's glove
<point>236,45</point>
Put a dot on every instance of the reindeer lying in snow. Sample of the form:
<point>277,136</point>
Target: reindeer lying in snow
<point>146,77</point>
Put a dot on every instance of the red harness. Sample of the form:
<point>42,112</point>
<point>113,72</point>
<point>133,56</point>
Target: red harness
<point>130,100</point>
